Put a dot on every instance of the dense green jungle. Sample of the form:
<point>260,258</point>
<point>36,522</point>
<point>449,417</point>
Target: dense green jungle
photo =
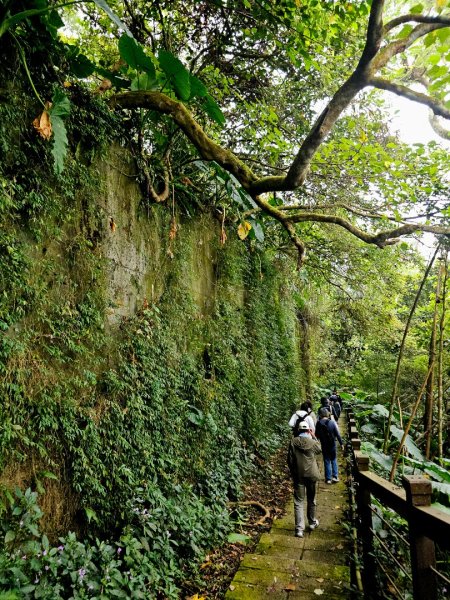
<point>207,217</point>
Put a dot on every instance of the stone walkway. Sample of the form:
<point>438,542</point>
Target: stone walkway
<point>284,567</point>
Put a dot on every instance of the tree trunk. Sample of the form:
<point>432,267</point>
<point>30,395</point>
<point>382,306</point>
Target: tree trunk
<point>429,396</point>
<point>305,349</point>
<point>408,425</point>
<point>440,359</point>
<point>402,347</point>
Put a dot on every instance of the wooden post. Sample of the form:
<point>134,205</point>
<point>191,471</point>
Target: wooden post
<point>356,444</point>
<point>418,493</point>
<point>363,500</point>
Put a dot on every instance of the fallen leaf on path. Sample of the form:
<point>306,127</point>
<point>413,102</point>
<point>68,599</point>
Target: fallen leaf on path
<point>232,587</point>
<point>291,587</point>
<point>318,592</point>
<point>320,579</point>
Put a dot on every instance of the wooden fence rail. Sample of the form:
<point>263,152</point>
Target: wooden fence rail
<point>427,526</point>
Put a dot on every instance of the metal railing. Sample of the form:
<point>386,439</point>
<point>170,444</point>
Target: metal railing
<point>427,528</point>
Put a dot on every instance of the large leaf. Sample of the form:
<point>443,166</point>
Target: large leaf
<point>380,410</point>
<point>60,143</point>
<point>257,230</point>
<point>60,105</point>
<point>133,54</point>
<point>212,109</point>
<point>177,74</point>
<point>384,461</point>
<point>114,18</point>
<point>432,469</point>
<point>198,89</point>
<point>409,443</point>
<point>81,66</point>
<point>60,108</point>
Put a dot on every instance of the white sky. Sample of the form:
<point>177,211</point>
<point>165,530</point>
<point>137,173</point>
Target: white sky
<point>412,122</point>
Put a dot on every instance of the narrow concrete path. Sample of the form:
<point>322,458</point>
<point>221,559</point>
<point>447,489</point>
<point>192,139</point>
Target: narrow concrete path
<point>284,567</point>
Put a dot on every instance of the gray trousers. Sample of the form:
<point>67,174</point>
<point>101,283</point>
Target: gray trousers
<point>304,489</point>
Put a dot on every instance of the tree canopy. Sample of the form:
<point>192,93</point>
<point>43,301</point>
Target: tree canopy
<point>278,104</point>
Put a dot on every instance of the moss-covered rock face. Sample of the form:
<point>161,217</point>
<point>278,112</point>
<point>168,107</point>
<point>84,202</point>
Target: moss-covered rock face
<point>141,361</point>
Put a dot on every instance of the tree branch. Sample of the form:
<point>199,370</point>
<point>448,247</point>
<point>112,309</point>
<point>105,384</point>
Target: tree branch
<point>401,90</point>
<point>410,18</point>
<point>397,46</point>
<point>380,239</point>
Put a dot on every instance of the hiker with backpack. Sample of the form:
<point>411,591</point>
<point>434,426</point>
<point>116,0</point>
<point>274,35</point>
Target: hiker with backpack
<point>304,414</point>
<point>336,403</point>
<point>327,432</point>
<point>304,470</point>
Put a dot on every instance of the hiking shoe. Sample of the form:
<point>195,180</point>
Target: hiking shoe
<point>314,524</point>
<point>328,481</point>
<point>335,479</point>
<point>299,533</point>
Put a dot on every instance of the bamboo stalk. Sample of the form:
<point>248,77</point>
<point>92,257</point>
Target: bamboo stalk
<point>402,347</point>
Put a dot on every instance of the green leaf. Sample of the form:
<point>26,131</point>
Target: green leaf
<point>197,417</point>
<point>114,18</point>
<point>91,514</point>
<point>142,82</point>
<point>81,66</point>
<point>238,538</point>
<point>10,536</point>
<point>257,229</point>
<point>212,109</point>
<point>60,105</point>
<point>27,589</point>
<point>54,21</point>
<point>198,89</point>
<point>177,73</point>
<point>409,444</point>
<point>9,595</point>
<point>60,143</point>
<point>381,410</point>
<point>133,54</point>
<point>417,9</point>
<point>48,475</point>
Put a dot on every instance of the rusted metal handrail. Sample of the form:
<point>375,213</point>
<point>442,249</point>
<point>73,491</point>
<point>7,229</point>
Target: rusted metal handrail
<point>426,525</point>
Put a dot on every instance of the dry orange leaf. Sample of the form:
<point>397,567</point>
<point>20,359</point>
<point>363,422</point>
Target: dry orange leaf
<point>173,229</point>
<point>291,587</point>
<point>243,230</point>
<point>42,123</point>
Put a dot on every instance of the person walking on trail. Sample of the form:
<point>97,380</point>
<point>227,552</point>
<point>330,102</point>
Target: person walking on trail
<point>304,414</point>
<point>327,432</point>
<point>304,470</point>
<point>336,403</point>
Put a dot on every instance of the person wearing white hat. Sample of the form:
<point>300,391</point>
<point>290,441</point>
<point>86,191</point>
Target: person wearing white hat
<point>304,470</point>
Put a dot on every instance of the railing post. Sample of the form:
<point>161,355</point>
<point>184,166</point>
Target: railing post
<point>363,499</point>
<point>418,493</point>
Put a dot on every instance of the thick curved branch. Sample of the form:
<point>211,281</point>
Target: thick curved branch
<point>208,149</point>
<point>380,239</point>
<point>411,18</point>
<point>398,46</point>
<point>401,90</point>
<point>323,125</point>
<point>437,127</point>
